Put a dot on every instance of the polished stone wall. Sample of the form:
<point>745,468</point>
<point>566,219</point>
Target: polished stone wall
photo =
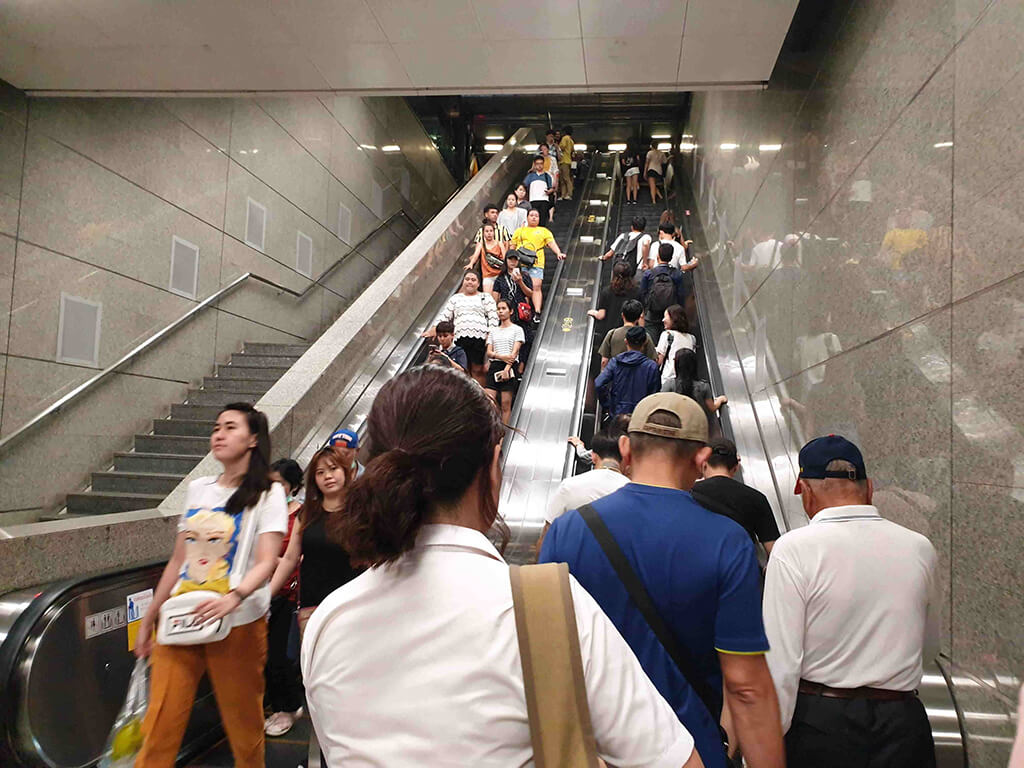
<point>92,193</point>
<point>864,223</point>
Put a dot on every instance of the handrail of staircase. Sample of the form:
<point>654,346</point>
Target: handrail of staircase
<point>215,297</point>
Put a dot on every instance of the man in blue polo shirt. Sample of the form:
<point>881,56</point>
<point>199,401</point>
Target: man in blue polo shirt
<point>699,573</point>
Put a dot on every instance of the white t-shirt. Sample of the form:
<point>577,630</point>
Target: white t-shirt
<point>656,160</point>
<point>503,340</point>
<point>574,492</point>
<point>764,254</point>
<point>213,541</point>
<point>678,252</point>
<point>644,240</point>
<point>417,663</point>
<point>512,219</point>
<point>670,343</point>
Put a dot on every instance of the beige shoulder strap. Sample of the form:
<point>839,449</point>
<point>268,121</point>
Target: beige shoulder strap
<point>556,695</point>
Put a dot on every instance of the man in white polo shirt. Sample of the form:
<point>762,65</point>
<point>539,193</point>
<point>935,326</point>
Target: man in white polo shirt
<point>851,611</point>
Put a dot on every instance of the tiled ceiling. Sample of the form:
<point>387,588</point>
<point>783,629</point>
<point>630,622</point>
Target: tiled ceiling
<point>390,46</point>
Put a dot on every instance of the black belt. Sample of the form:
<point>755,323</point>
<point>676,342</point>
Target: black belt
<point>864,692</point>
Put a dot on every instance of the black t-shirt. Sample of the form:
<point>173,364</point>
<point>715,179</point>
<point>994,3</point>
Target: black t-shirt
<point>745,505</point>
<point>325,565</point>
<point>612,303</point>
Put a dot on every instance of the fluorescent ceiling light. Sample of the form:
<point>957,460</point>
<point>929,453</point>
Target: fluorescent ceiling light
<point>943,144</point>
<point>495,138</point>
<point>531,147</point>
<point>687,147</point>
<point>616,147</point>
<point>728,145</point>
<point>580,147</point>
<point>661,135</point>
<point>769,147</point>
<point>665,145</point>
<point>391,148</point>
<point>493,147</point>
<point>687,135</point>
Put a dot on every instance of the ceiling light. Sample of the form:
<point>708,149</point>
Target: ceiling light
<point>493,147</point>
<point>391,148</point>
<point>661,135</point>
<point>687,135</point>
<point>531,147</point>
<point>728,145</point>
<point>687,147</point>
<point>495,138</point>
<point>580,147</point>
<point>769,147</point>
<point>943,144</point>
<point>665,145</point>
<point>616,147</point>
<point>368,146</point>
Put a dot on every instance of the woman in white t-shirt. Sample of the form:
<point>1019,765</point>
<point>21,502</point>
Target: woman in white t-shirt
<point>654,170</point>
<point>503,345</point>
<point>211,534</point>
<point>417,662</point>
<point>513,217</point>
<point>675,337</point>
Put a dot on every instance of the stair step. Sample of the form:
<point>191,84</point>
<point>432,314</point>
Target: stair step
<point>238,386</point>
<point>180,444</point>
<point>195,412</point>
<point>265,348</point>
<point>89,503</point>
<point>247,372</point>
<point>56,518</point>
<point>187,427</point>
<point>135,482</point>
<point>270,361</point>
<point>160,463</point>
<point>219,398</point>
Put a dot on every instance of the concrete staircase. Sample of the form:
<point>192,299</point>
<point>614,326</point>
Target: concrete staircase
<point>142,478</point>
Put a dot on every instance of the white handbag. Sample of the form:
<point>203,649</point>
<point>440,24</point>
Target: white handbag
<point>178,624</point>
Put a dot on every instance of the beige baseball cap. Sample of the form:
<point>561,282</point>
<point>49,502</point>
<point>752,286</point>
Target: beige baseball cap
<point>693,424</point>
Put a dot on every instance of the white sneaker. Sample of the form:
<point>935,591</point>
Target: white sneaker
<point>279,723</point>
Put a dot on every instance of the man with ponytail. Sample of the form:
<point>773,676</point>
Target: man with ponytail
<point>241,443</point>
<point>416,661</point>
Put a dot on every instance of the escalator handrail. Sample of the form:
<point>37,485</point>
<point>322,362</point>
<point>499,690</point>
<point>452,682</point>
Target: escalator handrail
<point>576,420</point>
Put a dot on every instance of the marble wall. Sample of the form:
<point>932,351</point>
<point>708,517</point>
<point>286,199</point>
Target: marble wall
<point>92,194</point>
<point>864,221</point>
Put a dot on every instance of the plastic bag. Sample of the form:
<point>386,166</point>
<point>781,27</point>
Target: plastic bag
<point>125,738</point>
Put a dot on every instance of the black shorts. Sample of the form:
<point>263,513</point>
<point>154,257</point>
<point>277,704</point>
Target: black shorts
<point>653,175</point>
<point>502,386</point>
<point>475,349</point>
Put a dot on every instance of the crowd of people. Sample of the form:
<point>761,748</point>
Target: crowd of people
<point>704,634</point>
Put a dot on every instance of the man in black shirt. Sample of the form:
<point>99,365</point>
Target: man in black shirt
<point>720,493</point>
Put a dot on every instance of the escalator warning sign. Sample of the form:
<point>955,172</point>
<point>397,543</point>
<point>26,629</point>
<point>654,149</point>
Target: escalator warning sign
<point>104,621</point>
<point>136,604</point>
<point>566,324</point>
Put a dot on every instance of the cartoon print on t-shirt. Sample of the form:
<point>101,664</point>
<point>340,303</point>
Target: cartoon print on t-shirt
<point>211,541</point>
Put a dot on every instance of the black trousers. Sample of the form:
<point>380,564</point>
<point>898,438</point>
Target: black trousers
<point>284,680</point>
<point>544,206</point>
<point>859,733</point>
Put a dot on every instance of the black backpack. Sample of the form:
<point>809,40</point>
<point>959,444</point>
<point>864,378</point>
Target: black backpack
<point>661,296</point>
<point>626,250</point>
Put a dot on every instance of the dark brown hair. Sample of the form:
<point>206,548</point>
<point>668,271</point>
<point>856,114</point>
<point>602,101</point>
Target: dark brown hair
<point>313,508</point>
<point>677,315</point>
<point>432,431</point>
<point>257,476</point>
<point>622,279</point>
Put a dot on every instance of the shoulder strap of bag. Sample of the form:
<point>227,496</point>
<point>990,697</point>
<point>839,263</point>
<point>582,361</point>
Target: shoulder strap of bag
<point>642,600</point>
<point>549,646</point>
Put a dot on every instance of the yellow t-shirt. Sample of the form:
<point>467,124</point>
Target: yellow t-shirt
<point>903,241</point>
<point>535,238</point>
<point>567,146</point>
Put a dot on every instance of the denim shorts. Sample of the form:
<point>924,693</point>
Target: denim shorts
<point>536,274</point>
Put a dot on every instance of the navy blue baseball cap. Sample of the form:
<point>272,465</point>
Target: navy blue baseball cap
<point>349,437</point>
<point>817,454</point>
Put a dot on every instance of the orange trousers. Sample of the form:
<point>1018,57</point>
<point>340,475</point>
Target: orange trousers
<point>235,666</point>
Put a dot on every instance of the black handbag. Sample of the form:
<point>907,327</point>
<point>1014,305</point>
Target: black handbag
<point>527,256</point>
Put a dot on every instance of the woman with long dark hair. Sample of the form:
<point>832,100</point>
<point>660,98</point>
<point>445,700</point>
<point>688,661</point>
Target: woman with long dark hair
<point>622,288</point>
<point>416,662</point>
<point>323,564</point>
<point>685,382</point>
<point>228,543</point>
